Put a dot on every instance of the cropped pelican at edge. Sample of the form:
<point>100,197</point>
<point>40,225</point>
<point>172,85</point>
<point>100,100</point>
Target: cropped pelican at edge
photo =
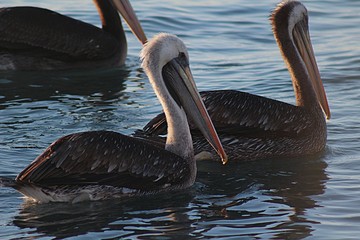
<point>103,164</point>
<point>33,38</point>
<point>252,127</point>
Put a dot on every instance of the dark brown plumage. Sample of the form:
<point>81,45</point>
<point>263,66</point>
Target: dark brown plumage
<point>101,164</point>
<point>253,127</point>
<point>34,38</point>
<point>105,158</point>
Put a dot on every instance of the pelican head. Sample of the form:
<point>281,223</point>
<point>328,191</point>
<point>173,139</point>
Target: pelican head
<point>291,30</point>
<point>166,61</point>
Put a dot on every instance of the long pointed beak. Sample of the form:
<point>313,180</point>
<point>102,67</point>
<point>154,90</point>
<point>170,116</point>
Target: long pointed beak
<point>303,43</point>
<point>193,105</point>
<point>128,13</point>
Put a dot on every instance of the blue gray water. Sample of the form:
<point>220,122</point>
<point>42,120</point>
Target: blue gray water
<point>231,47</point>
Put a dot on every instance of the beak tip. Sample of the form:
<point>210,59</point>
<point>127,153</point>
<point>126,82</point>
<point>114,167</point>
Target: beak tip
<point>327,112</point>
<point>224,159</point>
<point>144,40</point>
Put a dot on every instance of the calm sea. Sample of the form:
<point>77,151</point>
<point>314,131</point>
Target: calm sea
<point>231,46</point>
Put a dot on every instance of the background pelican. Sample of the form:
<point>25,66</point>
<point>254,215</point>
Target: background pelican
<point>34,38</point>
<point>99,165</point>
<point>254,127</point>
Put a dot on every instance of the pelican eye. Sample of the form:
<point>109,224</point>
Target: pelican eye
<point>182,59</point>
<point>182,55</point>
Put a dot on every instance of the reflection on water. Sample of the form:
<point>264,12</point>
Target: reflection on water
<point>52,104</point>
<point>123,218</point>
<point>270,200</point>
<point>39,86</point>
<point>267,198</point>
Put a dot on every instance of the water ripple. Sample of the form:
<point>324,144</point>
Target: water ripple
<point>231,46</point>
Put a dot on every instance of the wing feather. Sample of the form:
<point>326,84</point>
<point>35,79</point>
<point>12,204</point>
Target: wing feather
<point>31,28</point>
<point>243,113</point>
<point>108,158</point>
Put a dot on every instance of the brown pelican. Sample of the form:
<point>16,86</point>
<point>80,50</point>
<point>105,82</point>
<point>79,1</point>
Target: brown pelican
<point>254,127</point>
<point>34,38</point>
<point>104,164</point>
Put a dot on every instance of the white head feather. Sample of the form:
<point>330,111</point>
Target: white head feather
<point>162,48</point>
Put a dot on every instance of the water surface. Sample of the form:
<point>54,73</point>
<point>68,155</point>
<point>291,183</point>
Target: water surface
<point>231,46</point>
